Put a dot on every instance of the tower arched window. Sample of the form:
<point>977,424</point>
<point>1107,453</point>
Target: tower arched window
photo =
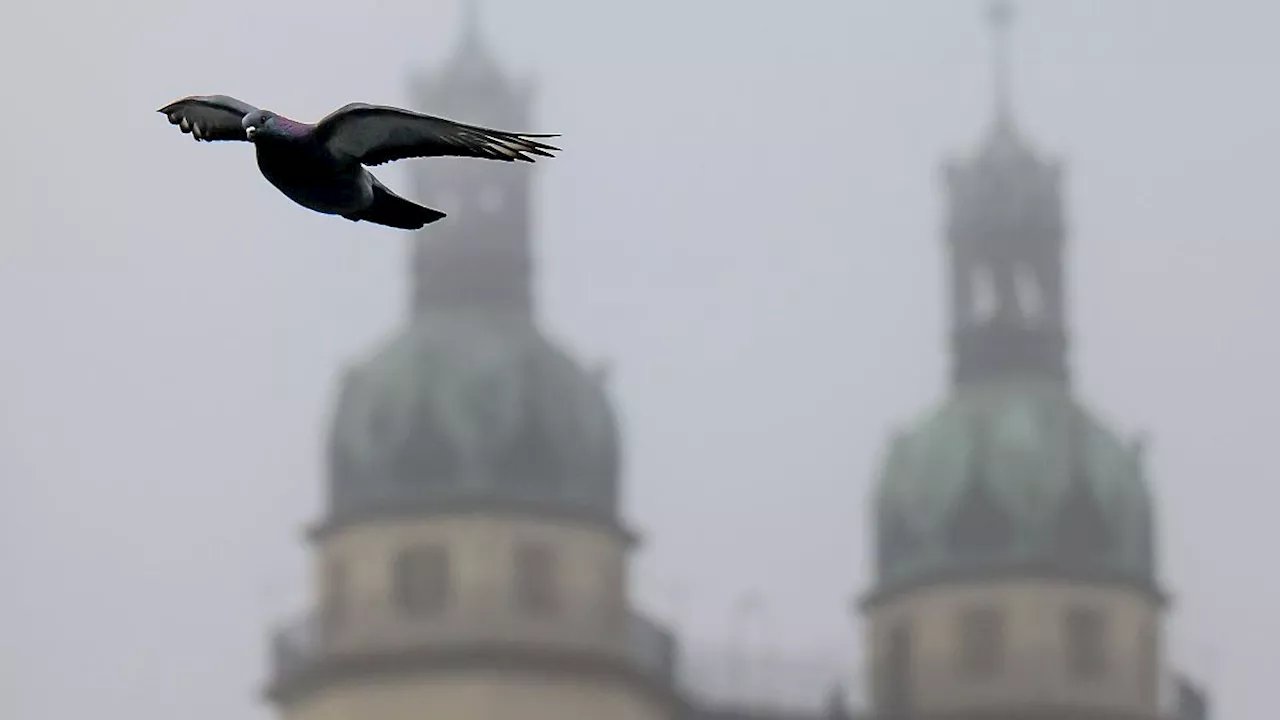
<point>1085,637</point>
<point>536,583</point>
<point>422,580</point>
<point>980,642</point>
<point>984,302</point>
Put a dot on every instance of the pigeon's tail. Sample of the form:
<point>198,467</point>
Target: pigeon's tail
<point>394,211</point>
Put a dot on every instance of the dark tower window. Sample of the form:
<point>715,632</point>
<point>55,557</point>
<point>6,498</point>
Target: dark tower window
<point>980,642</point>
<point>1085,639</point>
<point>983,301</point>
<point>535,580</point>
<point>421,577</point>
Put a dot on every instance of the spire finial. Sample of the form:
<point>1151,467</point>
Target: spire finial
<point>471,24</point>
<point>1000,16</point>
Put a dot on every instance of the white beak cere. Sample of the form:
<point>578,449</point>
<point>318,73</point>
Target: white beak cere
<point>250,131</point>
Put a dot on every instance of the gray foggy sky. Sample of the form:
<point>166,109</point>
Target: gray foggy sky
<point>745,219</point>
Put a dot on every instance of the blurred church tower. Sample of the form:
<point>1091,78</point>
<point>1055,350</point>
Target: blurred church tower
<point>1016,572</point>
<point>471,563</point>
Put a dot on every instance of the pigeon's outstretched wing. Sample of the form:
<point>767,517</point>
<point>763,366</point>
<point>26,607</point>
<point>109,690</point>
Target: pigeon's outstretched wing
<point>209,117</point>
<point>374,134</point>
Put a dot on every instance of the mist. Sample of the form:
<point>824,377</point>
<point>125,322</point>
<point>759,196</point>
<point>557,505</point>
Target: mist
<point>746,224</point>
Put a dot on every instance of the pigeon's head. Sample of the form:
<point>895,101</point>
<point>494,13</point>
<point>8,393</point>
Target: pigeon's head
<point>257,122</point>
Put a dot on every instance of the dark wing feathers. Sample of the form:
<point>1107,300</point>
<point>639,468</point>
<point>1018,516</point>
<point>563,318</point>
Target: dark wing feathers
<point>376,134</point>
<point>209,117</point>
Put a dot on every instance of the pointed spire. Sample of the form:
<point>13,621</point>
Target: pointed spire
<point>1000,17</point>
<point>471,63</point>
<point>481,258</point>
<point>1006,234</point>
<point>471,42</point>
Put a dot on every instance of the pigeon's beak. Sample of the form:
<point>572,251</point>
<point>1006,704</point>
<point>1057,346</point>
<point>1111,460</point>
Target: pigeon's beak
<point>249,132</point>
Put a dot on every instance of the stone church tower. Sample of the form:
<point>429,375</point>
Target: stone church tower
<point>471,562</point>
<point>1016,571</point>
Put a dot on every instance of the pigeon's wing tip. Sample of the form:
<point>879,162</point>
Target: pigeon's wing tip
<point>171,107</point>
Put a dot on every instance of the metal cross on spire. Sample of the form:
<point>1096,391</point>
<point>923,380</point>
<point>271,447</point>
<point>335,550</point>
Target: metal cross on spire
<point>1000,16</point>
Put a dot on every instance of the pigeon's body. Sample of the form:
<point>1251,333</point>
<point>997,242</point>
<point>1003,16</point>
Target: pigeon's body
<point>299,167</point>
<point>322,166</point>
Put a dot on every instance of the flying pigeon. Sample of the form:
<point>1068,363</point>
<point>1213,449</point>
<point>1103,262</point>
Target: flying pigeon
<point>321,166</point>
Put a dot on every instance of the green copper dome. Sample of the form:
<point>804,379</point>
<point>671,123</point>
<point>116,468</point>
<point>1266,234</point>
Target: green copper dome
<point>1012,477</point>
<point>467,408</point>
